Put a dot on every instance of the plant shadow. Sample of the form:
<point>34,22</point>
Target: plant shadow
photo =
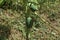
<point>4,32</point>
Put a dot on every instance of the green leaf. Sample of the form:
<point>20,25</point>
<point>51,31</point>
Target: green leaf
<point>29,19</point>
<point>52,0</point>
<point>1,2</point>
<point>34,1</point>
<point>41,1</point>
<point>34,7</point>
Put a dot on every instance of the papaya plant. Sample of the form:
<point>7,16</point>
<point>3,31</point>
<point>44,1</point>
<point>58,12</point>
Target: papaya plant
<point>29,6</point>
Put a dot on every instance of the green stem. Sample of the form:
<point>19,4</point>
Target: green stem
<point>26,15</point>
<point>27,34</point>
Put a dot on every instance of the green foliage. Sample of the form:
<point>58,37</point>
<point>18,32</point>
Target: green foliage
<point>39,30</point>
<point>52,0</point>
<point>33,7</point>
<point>1,2</point>
<point>29,22</point>
<point>8,2</point>
<point>5,2</point>
<point>29,19</point>
<point>41,1</point>
<point>33,1</point>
